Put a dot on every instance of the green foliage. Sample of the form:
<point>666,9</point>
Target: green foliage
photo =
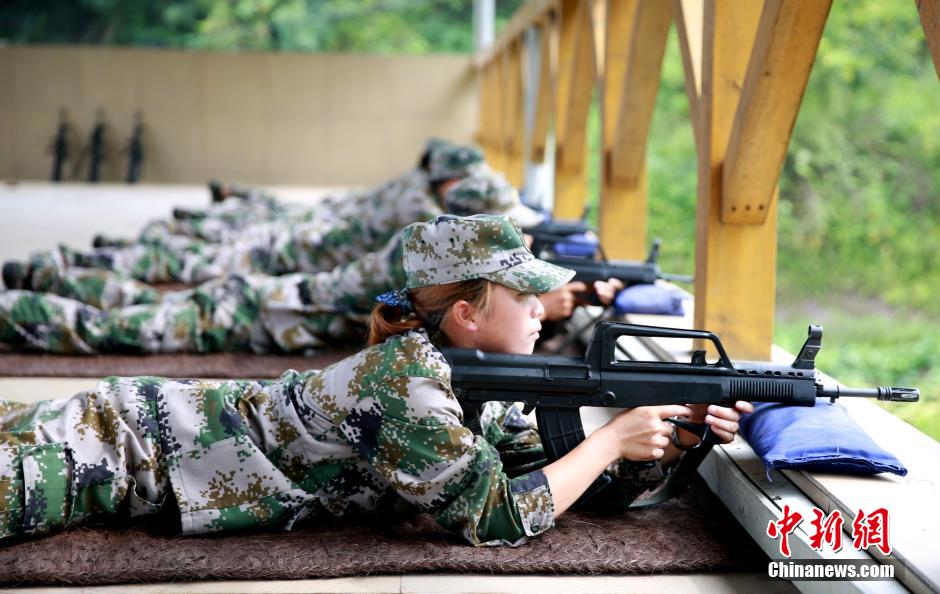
<point>365,26</point>
<point>859,208</point>
<point>865,344</point>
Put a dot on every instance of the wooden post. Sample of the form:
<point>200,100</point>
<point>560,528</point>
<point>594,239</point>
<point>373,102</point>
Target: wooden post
<point>735,268</point>
<point>636,41</point>
<point>514,129</point>
<point>545,103</point>
<point>576,81</point>
<point>489,128</point>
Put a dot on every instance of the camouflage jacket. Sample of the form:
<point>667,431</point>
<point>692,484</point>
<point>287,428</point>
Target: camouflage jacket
<point>378,431</point>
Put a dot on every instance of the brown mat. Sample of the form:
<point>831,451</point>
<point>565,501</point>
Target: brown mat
<point>221,365</point>
<point>691,534</point>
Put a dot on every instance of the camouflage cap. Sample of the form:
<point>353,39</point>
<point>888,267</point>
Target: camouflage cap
<point>487,192</point>
<point>451,249</point>
<point>449,161</point>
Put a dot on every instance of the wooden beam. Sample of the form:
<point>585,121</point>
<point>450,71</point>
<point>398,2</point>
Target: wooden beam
<point>531,13</point>
<point>622,210</point>
<point>484,136</point>
<point>514,129</point>
<point>545,102</point>
<point>735,272</point>
<point>641,84</point>
<point>576,82</point>
<point>689,18</point>
<point>787,39</point>
<point>620,16</point>
<point>496,157</point>
<point>930,18</point>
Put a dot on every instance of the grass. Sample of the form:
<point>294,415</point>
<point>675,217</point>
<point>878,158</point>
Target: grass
<point>866,344</point>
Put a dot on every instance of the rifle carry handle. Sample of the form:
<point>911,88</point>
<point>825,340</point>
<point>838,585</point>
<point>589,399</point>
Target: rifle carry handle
<point>606,335</point>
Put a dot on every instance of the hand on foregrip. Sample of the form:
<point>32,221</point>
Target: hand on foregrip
<point>723,420</point>
<point>560,303</point>
<point>607,290</point>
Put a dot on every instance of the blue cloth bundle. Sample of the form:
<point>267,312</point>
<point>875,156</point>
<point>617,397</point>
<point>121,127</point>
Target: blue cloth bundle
<point>649,299</point>
<point>579,245</point>
<point>822,438</point>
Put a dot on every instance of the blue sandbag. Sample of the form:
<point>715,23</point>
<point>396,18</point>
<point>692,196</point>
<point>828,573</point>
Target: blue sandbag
<point>823,438</point>
<point>649,299</point>
<point>579,245</point>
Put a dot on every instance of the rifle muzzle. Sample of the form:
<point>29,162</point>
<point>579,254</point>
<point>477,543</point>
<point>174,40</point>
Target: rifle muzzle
<point>883,393</point>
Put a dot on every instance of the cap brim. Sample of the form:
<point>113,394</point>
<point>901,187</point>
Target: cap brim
<point>523,216</point>
<point>534,276</point>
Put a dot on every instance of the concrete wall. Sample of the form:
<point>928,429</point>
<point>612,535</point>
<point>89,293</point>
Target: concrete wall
<point>327,119</point>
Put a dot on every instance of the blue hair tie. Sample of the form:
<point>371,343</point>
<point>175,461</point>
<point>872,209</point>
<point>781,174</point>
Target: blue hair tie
<point>397,299</point>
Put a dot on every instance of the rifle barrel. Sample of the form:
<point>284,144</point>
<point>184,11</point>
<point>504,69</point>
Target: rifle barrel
<point>882,393</point>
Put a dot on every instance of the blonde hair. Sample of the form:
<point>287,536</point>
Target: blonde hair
<point>430,305</point>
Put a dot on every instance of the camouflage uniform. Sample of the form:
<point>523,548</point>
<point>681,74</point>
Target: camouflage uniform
<point>224,222</point>
<point>253,313</point>
<point>234,313</point>
<point>377,432</point>
<point>352,229</point>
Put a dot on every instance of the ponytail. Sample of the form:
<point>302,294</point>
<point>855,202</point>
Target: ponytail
<point>430,304</point>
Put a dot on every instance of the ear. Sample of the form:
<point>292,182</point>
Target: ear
<point>463,316</point>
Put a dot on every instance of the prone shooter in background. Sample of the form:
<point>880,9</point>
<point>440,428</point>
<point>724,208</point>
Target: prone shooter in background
<point>622,286</point>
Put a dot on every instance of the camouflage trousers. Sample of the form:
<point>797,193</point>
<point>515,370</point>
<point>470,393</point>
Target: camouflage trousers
<point>273,249</point>
<point>95,311</point>
<point>223,222</point>
<point>311,239</point>
<point>131,446</point>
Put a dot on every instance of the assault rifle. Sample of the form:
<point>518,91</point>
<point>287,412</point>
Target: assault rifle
<point>60,146</point>
<point>630,272</point>
<point>556,387</point>
<point>135,149</point>
<point>96,147</point>
<point>547,234</point>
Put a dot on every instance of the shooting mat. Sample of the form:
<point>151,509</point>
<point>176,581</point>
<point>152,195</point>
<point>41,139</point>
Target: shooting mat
<point>693,533</point>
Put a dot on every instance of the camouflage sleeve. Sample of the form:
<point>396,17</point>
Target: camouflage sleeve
<point>514,436</point>
<point>412,435</point>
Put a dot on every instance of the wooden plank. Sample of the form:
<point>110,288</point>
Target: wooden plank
<point>736,475</point>
<point>784,50</point>
<point>689,16</point>
<point>735,272</point>
<point>929,11</point>
<point>514,125</point>
<point>576,81</point>
<point>635,113</point>
<point>545,102</point>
